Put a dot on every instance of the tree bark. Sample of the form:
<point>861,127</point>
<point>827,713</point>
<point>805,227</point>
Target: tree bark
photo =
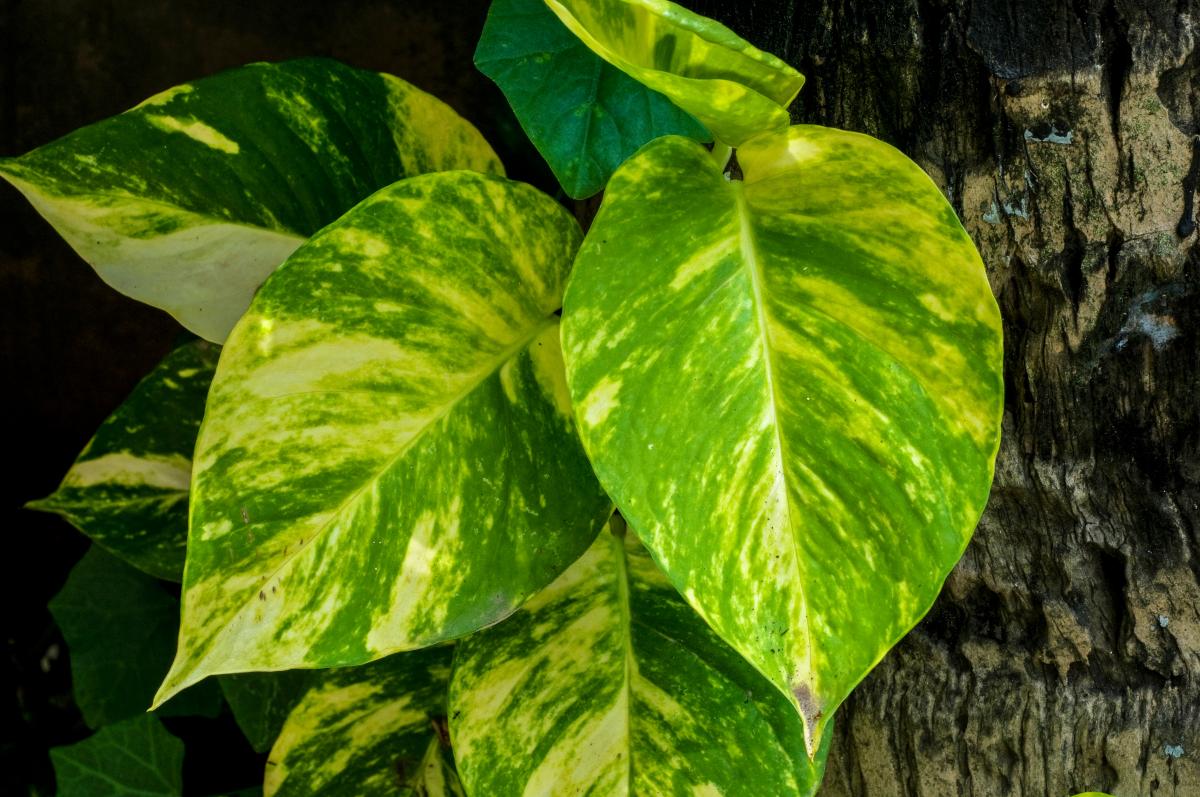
<point>1064,653</point>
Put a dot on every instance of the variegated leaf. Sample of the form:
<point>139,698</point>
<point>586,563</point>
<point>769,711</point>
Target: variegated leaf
<point>128,489</point>
<point>584,116</point>
<point>376,729</point>
<point>607,683</point>
<point>261,701</point>
<point>188,201</point>
<point>736,90</point>
<point>388,458</point>
<point>791,386</point>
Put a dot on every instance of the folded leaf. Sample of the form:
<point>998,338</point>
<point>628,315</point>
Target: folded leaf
<point>792,388</point>
<point>584,116</point>
<point>607,683</point>
<point>135,757</point>
<point>388,459</point>
<point>376,729</point>
<point>188,201</point>
<point>736,90</point>
<point>128,489</point>
<point>120,626</point>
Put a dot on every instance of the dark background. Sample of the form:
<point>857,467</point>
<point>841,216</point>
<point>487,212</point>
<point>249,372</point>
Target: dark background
<point>71,348</point>
<point>1045,668</point>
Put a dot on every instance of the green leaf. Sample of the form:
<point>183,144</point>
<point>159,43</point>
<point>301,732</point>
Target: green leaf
<point>261,701</point>
<point>736,90</point>
<point>584,116</point>
<point>368,730</point>
<point>128,490</point>
<point>607,682</point>
<point>120,626</point>
<point>388,458</point>
<point>188,201</point>
<point>791,386</point>
<point>136,758</point>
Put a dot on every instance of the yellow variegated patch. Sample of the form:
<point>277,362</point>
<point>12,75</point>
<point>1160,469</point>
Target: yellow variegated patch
<point>377,729</point>
<point>607,683</point>
<point>584,116</point>
<point>388,458</point>
<point>736,90</point>
<point>791,386</point>
<point>188,201</point>
<point>128,489</point>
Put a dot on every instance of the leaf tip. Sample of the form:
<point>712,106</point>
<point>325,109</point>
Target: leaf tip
<point>45,504</point>
<point>8,171</point>
<point>813,714</point>
<point>178,679</point>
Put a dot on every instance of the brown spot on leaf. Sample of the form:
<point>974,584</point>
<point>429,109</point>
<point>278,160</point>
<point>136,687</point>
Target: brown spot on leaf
<point>811,712</point>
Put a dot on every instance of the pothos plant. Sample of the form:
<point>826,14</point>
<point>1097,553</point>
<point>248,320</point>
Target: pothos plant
<point>386,472</point>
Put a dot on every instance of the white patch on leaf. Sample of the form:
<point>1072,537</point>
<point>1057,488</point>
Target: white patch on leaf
<point>196,130</point>
<point>171,472</point>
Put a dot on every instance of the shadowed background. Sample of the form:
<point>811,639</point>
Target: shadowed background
<point>1064,654</point>
<point>71,348</point>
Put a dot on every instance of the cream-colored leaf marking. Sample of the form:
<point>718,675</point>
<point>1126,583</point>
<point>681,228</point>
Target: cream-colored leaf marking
<point>607,683</point>
<point>809,364</point>
<point>128,488</point>
<point>368,730</point>
<point>189,200</point>
<point>736,90</point>
<point>373,482</point>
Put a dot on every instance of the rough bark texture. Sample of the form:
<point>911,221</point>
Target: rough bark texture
<point>1064,653</point>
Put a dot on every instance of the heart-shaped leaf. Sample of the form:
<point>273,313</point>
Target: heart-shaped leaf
<point>188,201</point>
<point>128,489</point>
<point>120,626</point>
<point>584,116</point>
<point>377,729</point>
<point>388,459</point>
<point>607,683</point>
<point>134,757</point>
<point>791,386</point>
<point>736,90</point>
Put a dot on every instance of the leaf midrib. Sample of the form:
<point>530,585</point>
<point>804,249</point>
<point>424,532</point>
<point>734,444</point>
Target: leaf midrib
<point>753,268</point>
<point>485,373</point>
<point>630,669</point>
<point>658,631</point>
<point>15,177</point>
<point>50,504</point>
<point>628,621</point>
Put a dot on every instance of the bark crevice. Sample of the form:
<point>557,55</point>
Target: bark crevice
<point>1064,653</point>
